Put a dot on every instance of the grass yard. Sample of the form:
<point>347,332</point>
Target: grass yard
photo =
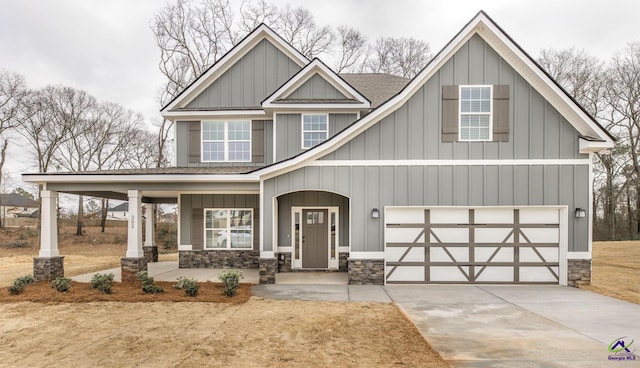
<point>616,270</point>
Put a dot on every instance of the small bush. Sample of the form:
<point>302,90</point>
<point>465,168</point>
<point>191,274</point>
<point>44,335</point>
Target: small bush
<point>147,283</point>
<point>20,283</point>
<point>190,286</point>
<point>230,279</point>
<point>61,284</point>
<point>102,282</point>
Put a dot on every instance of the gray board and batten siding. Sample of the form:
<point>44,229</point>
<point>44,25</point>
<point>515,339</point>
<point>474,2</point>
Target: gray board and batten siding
<point>413,132</point>
<point>249,81</point>
<point>316,88</point>
<point>311,199</point>
<point>192,209</point>
<point>189,145</point>
<point>289,132</point>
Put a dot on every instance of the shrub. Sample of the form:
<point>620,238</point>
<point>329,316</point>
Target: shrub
<point>61,284</point>
<point>102,282</point>
<point>147,283</point>
<point>230,279</point>
<point>20,283</point>
<point>190,286</point>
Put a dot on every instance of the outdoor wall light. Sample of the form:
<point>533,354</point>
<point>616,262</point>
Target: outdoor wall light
<point>581,212</point>
<point>375,213</point>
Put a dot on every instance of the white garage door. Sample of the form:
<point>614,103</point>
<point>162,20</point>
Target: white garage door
<point>472,245</point>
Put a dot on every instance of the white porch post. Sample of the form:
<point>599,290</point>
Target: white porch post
<point>49,225</point>
<point>149,240</point>
<point>134,233</point>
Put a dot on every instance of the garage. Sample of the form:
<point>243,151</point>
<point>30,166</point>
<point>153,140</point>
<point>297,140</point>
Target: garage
<point>493,245</point>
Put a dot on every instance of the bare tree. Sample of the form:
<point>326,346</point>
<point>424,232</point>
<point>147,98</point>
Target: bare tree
<point>399,56</point>
<point>353,50</point>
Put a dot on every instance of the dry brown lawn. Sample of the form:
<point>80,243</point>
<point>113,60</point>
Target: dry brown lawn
<point>616,270</point>
<point>84,328</point>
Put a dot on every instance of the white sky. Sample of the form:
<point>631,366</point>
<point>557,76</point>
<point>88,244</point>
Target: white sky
<point>107,47</point>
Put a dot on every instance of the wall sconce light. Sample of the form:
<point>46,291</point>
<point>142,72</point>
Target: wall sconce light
<point>581,212</point>
<point>375,213</point>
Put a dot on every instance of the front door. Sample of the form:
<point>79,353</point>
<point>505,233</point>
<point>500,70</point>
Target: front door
<point>315,238</point>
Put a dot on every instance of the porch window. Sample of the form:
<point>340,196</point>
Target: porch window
<point>228,228</point>
<point>315,130</point>
<point>226,141</point>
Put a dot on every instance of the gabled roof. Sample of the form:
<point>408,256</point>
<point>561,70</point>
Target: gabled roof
<point>376,87</point>
<point>278,99</point>
<point>485,27</point>
<point>230,58</point>
<point>16,200</point>
<point>122,207</point>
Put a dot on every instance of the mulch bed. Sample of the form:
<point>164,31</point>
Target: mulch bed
<point>80,292</point>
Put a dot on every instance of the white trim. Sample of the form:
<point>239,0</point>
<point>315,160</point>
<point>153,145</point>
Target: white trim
<point>343,249</point>
<point>285,249</point>
<point>275,117</point>
<point>178,222</point>
<point>579,255</point>
<point>228,231</point>
<point>185,247</point>
<point>126,178</point>
<point>590,210</point>
<point>315,67</point>
<point>230,58</point>
<point>483,26</point>
<point>261,221</point>
<point>226,140</point>
<point>366,255</point>
<point>563,246</point>
<point>332,264</point>
<point>267,255</point>
<point>302,131</point>
<point>323,163</point>
<point>214,113</point>
<point>274,223</point>
<point>587,146</point>
<point>490,113</point>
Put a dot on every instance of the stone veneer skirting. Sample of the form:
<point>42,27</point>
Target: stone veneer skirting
<point>284,263</point>
<point>48,268</point>
<point>151,253</point>
<point>131,266</point>
<point>267,270</point>
<point>366,271</point>
<point>578,272</point>
<point>218,258</point>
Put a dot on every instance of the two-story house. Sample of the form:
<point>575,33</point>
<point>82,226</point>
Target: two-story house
<point>478,170</point>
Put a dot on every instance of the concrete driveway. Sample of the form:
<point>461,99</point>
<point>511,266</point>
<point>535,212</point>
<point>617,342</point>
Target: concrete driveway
<point>519,326</point>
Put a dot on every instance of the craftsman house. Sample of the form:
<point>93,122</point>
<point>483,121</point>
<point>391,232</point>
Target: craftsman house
<point>478,170</point>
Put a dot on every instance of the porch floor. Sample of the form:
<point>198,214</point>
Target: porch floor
<point>169,271</point>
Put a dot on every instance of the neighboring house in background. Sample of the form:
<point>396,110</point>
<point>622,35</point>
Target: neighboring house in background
<point>478,170</point>
<point>118,212</point>
<point>16,205</point>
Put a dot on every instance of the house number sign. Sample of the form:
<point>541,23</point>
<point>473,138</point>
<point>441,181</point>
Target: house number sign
<point>132,221</point>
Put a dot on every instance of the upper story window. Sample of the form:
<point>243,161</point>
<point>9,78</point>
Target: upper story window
<point>315,129</point>
<point>226,141</point>
<point>475,113</point>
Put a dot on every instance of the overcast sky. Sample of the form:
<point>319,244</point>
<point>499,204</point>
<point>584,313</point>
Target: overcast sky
<point>107,47</point>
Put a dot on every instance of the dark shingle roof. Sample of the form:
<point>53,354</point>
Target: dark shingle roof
<point>167,171</point>
<point>122,207</point>
<point>376,87</point>
<point>17,200</point>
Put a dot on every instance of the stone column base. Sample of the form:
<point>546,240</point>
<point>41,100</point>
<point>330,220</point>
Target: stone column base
<point>131,266</point>
<point>151,253</point>
<point>48,268</point>
<point>578,272</point>
<point>267,269</point>
<point>366,271</point>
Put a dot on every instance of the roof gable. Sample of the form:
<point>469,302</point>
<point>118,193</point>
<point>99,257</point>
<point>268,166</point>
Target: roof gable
<point>598,138</point>
<point>262,32</point>
<point>318,86</point>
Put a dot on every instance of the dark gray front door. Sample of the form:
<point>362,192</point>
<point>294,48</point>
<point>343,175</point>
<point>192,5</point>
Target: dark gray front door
<point>315,237</point>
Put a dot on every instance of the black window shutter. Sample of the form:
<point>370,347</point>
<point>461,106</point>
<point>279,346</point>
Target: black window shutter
<point>450,113</point>
<point>257,141</point>
<point>195,143</point>
<point>197,228</point>
<point>500,113</point>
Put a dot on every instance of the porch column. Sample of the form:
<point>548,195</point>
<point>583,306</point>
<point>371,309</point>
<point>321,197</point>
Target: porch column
<point>49,264</point>
<point>150,248</point>
<point>134,261</point>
